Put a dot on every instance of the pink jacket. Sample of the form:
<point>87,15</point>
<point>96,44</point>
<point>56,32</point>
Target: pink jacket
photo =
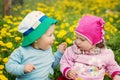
<point>89,67</point>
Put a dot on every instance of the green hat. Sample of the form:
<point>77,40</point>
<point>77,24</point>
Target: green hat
<point>33,26</point>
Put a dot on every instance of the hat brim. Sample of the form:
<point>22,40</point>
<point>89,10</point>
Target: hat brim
<point>38,32</point>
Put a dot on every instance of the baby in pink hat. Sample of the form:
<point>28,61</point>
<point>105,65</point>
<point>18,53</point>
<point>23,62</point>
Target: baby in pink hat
<point>89,58</point>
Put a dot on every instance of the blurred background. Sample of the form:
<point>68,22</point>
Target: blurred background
<point>67,12</point>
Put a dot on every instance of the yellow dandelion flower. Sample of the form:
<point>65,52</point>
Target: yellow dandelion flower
<point>20,18</point>
<point>66,24</point>
<point>2,77</point>
<point>11,16</point>
<point>15,29</point>
<point>4,49</point>
<point>97,10</point>
<point>1,67</point>
<point>111,13</point>
<point>61,34</point>
<point>17,38</point>
<point>111,19</point>
<point>107,37</point>
<point>71,29</point>
<point>14,19</point>
<point>1,72</point>
<point>16,23</point>
<point>62,26</point>
<point>69,41</point>
<point>2,43</point>
<point>116,16</point>
<point>3,32</point>
<point>0,37</point>
<point>58,17</point>
<point>55,42</point>
<point>5,25</point>
<point>5,60</point>
<point>115,29</point>
<point>15,9</point>
<point>56,32</point>
<point>118,21</point>
<point>78,79</point>
<point>9,22</point>
<point>9,45</point>
<point>8,34</point>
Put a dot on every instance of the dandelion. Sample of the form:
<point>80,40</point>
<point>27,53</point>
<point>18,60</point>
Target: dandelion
<point>71,29</point>
<point>5,60</point>
<point>97,10</point>
<point>1,67</point>
<point>16,23</point>
<point>20,18</point>
<point>111,19</point>
<point>69,41</point>
<point>1,72</point>
<point>5,25</point>
<point>4,49</point>
<point>62,26</point>
<point>56,32</point>
<point>15,29</point>
<point>3,32</point>
<point>116,16</point>
<point>2,43</point>
<point>9,45</point>
<point>0,37</point>
<point>55,42</point>
<point>78,79</point>
<point>115,29</point>
<point>8,34</point>
<point>107,37</point>
<point>17,38</point>
<point>66,24</point>
<point>61,34</point>
<point>14,19</point>
<point>2,77</point>
<point>9,21</point>
<point>118,21</point>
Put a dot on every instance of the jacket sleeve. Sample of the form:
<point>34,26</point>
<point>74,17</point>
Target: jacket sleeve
<point>14,66</point>
<point>57,57</point>
<point>112,67</point>
<point>66,62</point>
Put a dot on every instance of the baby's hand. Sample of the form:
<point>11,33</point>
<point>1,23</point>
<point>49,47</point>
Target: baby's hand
<point>29,68</point>
<point>62,47</point>
<point>72,74</point>
<point>117,77</point>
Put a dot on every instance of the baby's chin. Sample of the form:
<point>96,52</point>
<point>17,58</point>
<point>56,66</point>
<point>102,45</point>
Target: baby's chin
<point>46,48</point>
<point>85,49</point>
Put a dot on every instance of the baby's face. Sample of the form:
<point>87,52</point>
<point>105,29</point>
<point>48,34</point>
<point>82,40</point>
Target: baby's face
<point>83,43</point>
<point>46,40</point>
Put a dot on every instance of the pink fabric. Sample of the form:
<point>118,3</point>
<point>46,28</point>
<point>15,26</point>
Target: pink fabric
<point>65,71</point>
<point>89,67</point>
<point>91,27</point>
<point>115,73</point>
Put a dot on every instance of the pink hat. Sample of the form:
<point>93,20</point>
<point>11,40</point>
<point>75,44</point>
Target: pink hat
<point>91,27</point>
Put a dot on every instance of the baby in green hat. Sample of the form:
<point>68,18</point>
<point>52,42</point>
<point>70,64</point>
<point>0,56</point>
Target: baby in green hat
<point>34,59</point>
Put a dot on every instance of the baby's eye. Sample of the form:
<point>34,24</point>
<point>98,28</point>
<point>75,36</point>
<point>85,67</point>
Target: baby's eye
<point>82,39</point>
<point>50,34</point>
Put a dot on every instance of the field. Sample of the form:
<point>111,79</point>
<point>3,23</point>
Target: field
<point>67,12</point>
